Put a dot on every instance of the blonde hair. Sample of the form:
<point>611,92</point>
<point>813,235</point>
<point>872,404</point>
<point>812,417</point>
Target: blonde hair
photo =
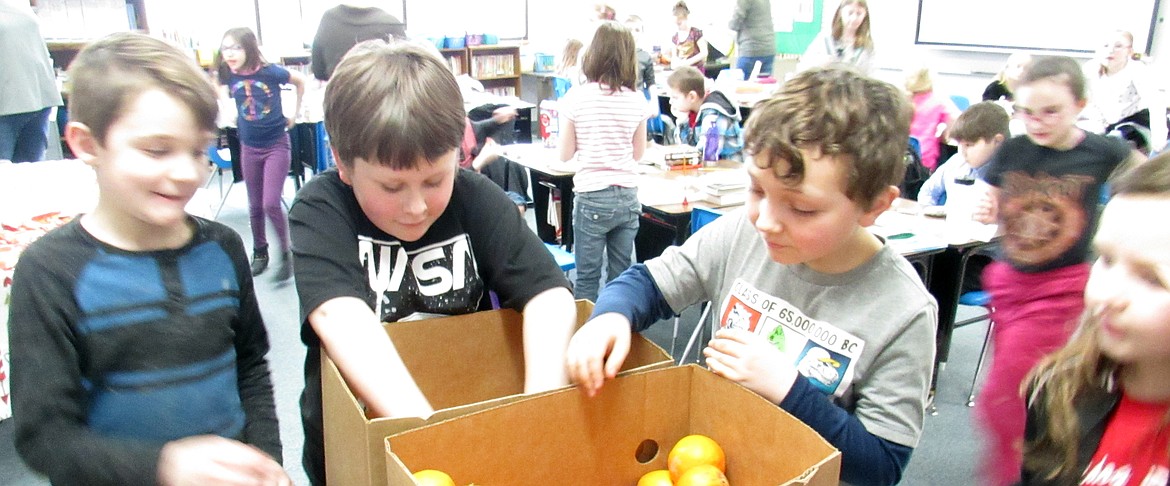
<point>1080,368</point>
<point>569,55</point>
<point>919,80</point>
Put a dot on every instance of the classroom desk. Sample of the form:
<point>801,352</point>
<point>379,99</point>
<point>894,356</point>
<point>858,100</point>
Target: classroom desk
<point>960,240</point>
<point>665,221</point>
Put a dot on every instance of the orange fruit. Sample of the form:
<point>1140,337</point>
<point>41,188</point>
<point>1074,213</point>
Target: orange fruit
<point>694,450</point>
<point>702,475</point>
<point>660,477</point>
<point>432,477</point>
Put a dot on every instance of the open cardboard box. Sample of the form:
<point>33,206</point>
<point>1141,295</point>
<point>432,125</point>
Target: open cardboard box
<point>565,437</point>
<point>461,363</point>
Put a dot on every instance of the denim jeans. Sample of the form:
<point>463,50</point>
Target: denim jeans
<point>604,221</point>
<point>22,135</point>
<point>749,62</point>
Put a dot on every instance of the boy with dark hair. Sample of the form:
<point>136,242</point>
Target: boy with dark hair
<point>137,341</point>
<point>399,232</point>
<point>979,131</point>
<point>819,315</point>
<point>707,120</point>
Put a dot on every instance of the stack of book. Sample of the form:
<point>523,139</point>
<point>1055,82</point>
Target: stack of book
<point>722,187</point>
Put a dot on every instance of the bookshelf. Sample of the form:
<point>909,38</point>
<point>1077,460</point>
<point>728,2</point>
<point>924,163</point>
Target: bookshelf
<point>456,60</point>
<point>497,67</point>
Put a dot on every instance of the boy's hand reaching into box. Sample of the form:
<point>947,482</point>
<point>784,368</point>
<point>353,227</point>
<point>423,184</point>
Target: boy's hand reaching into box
<point>751,361</point>
<point>597,351</point>
<point>209,459</point>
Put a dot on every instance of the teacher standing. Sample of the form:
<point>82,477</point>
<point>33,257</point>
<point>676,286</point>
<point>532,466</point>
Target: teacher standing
<point>755,40</point>
<point>28,86</point>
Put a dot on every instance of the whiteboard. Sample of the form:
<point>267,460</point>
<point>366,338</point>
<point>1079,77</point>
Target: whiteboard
<point>1047,25</point>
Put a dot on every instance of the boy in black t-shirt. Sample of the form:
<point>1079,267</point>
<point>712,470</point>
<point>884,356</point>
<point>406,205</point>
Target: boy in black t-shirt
<point>398,232</point>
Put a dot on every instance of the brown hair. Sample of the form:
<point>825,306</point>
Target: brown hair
<point>1079,368</point>
<point>687,79</point>
<point>110,73</point>
<point>253,58</point>
<point>611,59</point>
<point>393,104</point>
<point>1060,68</point>
<point>981,121</point>
<point>862,40</point>
<point>680,8</point>
<point>838,112</point>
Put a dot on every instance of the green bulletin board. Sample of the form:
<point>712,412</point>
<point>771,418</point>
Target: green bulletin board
<point>803,33</point>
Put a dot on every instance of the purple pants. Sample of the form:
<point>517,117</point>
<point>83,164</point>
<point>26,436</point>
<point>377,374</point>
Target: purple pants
<point>264,172</point>
<point>1034,315</point>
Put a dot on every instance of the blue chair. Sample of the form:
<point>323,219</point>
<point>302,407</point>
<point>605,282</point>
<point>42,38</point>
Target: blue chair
<point>560,87</point>
<point>961,102</point>
<point>916,146</point>
<point>977,298</point>
<point>700,216</point>
<point>220,165</point>
<point>564,259</point>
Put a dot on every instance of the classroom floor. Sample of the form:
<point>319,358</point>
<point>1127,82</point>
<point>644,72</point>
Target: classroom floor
<point>946,454</point>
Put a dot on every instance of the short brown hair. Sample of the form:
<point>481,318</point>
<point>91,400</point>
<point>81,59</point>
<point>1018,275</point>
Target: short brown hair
<point>687,79</point>
<point>611,58</point>
<point>981,121</point>
<point>110,73</point>
<point>839,112</point>
<point>1060,68</point>
<point>392,104</point>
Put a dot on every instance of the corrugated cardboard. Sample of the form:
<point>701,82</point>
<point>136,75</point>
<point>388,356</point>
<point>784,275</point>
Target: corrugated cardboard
<point>564,437</point>
<point>462,364</point>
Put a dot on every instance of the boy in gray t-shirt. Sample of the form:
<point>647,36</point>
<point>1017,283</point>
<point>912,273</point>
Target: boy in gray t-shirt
<point>833,326</point>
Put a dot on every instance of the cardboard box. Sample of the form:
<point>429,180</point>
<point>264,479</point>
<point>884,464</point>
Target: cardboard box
<point>462,364</point>
<point>565,437</point>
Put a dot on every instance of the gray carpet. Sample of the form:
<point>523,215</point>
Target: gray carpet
<point>946,455</point>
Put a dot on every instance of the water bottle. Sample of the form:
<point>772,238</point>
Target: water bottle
<point>711,145</point>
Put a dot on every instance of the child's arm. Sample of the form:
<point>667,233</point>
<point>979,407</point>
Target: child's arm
<point>298,81</point>
<point>630,302</point>
<point>639,141</point>
<point>549,320</point>
<point>752,361</point>
<point>254,379</point>
<point>933,189</point>
<point>367,359</point>
<point>568,140</point>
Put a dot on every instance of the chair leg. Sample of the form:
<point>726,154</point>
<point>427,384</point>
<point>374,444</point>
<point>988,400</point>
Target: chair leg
<point>979,365</point>
<point>673,335</point>
<point>699,325</point>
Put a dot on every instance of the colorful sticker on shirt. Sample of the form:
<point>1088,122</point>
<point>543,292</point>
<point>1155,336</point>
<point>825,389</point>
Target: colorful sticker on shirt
<point>258,98</point>
<point>820,351</point>
<point>441,278</point>
<point>1041,215</point>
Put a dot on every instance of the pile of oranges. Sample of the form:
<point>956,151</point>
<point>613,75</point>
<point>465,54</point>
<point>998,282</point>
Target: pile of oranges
<point>695,460</point>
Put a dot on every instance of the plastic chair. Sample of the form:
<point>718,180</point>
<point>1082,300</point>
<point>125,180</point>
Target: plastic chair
<point>699,217</point>
<point>916,146</point>
<point>977,298</point>
<point>560,87</point>
<point>961,102</point>
<point>221,165</point>
<point>564,259</point>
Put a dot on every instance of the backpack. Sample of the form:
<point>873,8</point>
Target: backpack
<point>916,173</point>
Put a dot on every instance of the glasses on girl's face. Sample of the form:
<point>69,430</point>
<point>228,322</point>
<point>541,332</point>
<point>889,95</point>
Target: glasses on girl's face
<point>1045,114</point>
<point>233,48</point>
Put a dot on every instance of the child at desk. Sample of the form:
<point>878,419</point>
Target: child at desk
<point>399,232</point>
<point>604,128</point>
<point>819,316</point>
<point>1098,407</point>
<point>135,328</point>
<point>707,119</point>
<point>957,183</point>
<point>1046,186</point>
